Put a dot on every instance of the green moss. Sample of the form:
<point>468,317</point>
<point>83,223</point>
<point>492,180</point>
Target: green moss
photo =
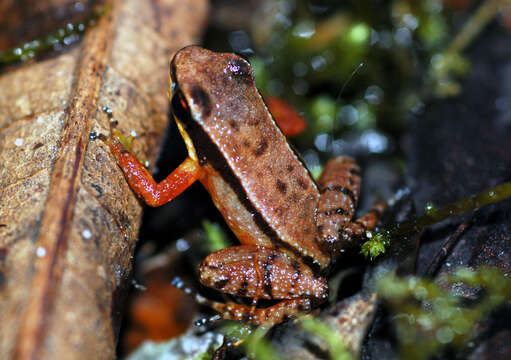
<point>257,347</point>
<point>217,239</point>
<point>336,347</point>
<point>60,37</point>
<point>377,240</point>
<point>428,318</point>
<point>375,245</point>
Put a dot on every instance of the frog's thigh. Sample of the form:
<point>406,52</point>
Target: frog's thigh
<point>339,187</point>
<point>261,273</point>
<point>263,316</point>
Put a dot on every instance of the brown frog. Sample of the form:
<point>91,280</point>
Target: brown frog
<point>289,226</point>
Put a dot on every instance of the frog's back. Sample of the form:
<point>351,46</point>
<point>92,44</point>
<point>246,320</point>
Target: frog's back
<point>237,139</point>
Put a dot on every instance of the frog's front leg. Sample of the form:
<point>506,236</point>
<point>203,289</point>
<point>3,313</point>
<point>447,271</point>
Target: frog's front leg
<point>140,180</point>
<point>339,187</point>
<point>262,273</point>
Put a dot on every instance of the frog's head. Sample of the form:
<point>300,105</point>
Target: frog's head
<point>204,83</point>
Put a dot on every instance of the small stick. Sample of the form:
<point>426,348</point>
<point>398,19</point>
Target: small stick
<point>448,245</point>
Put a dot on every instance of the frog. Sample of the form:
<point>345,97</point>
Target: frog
<point>290,226</point>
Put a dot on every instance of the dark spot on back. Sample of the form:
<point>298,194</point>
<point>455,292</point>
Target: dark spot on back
<point>201,98</point>
<point>234,125</point>
<point>302,183</point>
<point>253,121</point>
<point>246,143</point>
<point>279,211</point>
<point>261,147</point>
<point>281,186</point>
<point>290,168</point>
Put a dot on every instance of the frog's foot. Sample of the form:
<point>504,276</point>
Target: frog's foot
<point>340,188</point>
<point>269,316</point>
<point>115,134</point>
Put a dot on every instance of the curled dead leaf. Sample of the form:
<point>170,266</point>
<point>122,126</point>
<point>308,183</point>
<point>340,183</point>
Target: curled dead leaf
<point>68,219</point>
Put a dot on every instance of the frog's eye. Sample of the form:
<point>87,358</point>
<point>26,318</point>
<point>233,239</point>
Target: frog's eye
<point>179,105</point>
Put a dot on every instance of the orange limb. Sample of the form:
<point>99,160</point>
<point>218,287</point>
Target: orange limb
<point>142,182</point>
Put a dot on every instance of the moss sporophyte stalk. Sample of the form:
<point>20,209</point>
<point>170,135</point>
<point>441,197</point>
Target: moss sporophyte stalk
<point>379,240</point>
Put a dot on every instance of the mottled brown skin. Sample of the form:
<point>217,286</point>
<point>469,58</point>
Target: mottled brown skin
<point>288,231</point>
<point>239,139</point>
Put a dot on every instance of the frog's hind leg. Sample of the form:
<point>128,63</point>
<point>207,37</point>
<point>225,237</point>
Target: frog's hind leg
<point>258,272</point>
<point>339,187</point>
<point>269,316</point>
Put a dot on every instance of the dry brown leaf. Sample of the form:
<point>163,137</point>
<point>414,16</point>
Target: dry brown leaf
<point>68,221</point>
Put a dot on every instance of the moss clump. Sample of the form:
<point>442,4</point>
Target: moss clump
<point>428,318</point>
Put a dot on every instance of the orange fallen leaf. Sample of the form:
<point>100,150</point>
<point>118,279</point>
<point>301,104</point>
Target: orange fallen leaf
<point>289,121</point>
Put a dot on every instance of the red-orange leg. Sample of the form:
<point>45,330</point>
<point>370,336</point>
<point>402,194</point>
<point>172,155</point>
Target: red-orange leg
<point>143,184</point>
